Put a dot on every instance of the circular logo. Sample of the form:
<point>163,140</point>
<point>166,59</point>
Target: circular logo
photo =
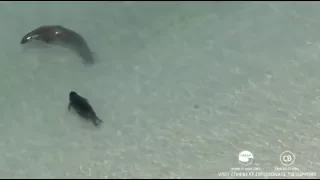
<point>245,158</point>
<point>287,158</point>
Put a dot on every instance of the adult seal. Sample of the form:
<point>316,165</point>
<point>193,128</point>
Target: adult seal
<point>56,34</point>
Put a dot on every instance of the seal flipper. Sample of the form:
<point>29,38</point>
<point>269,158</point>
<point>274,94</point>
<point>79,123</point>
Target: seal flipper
<point>87,58</point>
<point>86,54</point>
<point>97,121</point>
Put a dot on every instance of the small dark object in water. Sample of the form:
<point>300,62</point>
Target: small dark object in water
<point>83,108</point>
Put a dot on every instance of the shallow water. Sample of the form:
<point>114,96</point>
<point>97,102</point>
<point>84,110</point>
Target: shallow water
<point>182,88</point>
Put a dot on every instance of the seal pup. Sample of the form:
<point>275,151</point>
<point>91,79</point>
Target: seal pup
<point>83,108</point>
<point>56,34</point>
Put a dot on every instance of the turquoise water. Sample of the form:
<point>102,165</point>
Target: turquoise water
<point>182,88</point>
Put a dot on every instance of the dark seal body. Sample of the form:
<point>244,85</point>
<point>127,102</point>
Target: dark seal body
<point>52,34</point>
<point>83,108</point>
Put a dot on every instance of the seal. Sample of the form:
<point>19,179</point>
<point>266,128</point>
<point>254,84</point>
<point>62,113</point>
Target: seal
<point>51,34</point>
<point>83,108</point>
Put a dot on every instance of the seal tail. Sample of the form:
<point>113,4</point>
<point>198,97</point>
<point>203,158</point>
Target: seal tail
<point>87,58</point>
<point>86,55</point>
<point>97,121</point>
